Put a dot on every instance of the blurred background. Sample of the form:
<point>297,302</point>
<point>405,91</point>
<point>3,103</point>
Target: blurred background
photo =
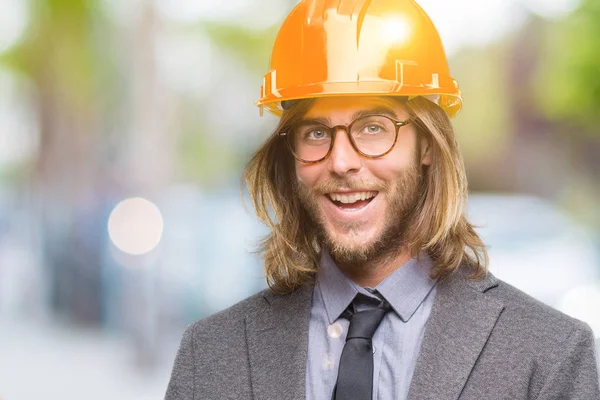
<point>125,127</point>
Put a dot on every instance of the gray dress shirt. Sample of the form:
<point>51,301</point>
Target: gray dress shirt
<point>396,344</point>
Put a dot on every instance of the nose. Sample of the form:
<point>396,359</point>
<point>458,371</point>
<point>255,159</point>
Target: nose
<point>343,158</point>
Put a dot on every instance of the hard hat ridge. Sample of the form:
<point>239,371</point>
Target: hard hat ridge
<point>316,9</point>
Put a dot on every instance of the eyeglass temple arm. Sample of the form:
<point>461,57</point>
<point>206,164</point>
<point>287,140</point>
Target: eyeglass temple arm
<point>402,123</point>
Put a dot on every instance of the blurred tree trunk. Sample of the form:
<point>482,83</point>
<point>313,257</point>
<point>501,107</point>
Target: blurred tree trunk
<point>540,156</point>
<point>60,56</point>
<point>152,136</point>
<point>66,188</point>
<point>149,159</point>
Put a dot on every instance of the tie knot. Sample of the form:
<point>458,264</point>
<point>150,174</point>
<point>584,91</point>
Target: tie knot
<point>363,324</point>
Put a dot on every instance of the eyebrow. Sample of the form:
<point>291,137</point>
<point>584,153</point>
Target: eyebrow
<point>381,110</point>
<point>378,110</point>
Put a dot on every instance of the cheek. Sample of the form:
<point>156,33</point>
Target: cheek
<point>391,166</point>
<point>307,174</point>
<point>404,153</point>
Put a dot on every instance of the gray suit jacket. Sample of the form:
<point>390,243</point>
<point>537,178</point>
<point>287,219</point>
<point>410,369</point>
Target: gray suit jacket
<point>483,340</point>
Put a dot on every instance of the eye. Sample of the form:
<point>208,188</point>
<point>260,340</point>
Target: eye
<point>372,129</point>
<point>316,134</point>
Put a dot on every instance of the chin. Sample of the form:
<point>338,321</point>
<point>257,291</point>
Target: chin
<point>354,241</point>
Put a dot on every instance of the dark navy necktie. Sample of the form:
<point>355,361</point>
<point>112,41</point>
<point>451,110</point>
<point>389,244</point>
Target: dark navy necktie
<point>355,374</point>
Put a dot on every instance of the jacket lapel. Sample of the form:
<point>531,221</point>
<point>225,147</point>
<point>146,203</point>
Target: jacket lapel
<point>460,323</point>
<point>277,338</point>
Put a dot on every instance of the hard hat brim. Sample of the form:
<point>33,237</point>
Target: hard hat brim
<point>450,99</point>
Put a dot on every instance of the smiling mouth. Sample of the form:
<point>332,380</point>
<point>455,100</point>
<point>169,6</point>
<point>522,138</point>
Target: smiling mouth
<point>352,201</point>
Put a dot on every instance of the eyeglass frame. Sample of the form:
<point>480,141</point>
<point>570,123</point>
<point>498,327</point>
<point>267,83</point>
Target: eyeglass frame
<point>347,129</point>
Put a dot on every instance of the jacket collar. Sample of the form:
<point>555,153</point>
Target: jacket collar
<point>460,323</point>
<point>277,339</point>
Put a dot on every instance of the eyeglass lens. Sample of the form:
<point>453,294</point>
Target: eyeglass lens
<point>373,136</point>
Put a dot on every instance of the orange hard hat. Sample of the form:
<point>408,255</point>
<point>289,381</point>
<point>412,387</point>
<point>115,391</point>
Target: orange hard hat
<point>358,47</point>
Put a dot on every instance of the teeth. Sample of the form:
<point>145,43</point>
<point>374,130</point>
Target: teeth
<point>352,198</point>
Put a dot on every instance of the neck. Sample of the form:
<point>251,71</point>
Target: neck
<point>371,273</point>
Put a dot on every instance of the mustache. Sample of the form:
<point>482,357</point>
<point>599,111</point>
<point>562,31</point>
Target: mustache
<point>335,185</point>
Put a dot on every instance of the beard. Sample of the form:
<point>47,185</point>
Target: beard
<point>402,195</point>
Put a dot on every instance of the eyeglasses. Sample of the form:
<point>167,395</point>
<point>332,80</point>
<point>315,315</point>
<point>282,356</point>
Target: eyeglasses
<point>372,136</point>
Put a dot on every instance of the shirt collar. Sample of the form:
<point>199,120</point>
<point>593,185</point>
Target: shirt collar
<point>405,288</point>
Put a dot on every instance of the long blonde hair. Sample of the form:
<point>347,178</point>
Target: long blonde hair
<point>439,226</point>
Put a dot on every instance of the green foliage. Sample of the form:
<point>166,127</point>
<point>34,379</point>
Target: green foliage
<point>484,126</point>
<point>60,49</point>
<point>251,47</point>
<point>569,77</point>
<point>203,159</point>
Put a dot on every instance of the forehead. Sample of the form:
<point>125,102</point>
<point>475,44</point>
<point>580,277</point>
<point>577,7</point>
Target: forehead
<point>344,107</point>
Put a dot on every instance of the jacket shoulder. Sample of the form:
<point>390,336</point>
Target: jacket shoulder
<point>549,354</point>
<point>530,316</point>
<point>233,315</point>
<point>212,360</point>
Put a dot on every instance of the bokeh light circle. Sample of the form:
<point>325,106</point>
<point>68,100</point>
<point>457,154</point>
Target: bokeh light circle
<point>335,330</point>
<point>135,226</point>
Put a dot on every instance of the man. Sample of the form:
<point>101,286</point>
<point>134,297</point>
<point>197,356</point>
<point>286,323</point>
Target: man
<point>378,283</point>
